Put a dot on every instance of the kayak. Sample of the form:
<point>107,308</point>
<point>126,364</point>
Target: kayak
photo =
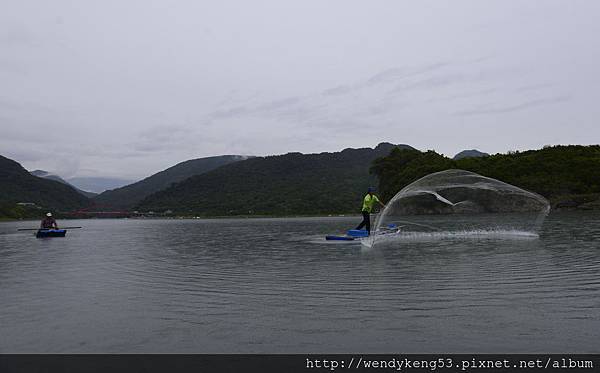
<point>51,233</point>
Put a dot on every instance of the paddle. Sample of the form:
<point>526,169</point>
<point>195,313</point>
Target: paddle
<point>37,229</point>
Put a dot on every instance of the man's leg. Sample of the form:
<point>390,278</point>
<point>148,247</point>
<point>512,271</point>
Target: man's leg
<point>367,219</point>
<point>363,222</point>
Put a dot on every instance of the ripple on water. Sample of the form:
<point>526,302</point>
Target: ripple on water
<point>275,285</point>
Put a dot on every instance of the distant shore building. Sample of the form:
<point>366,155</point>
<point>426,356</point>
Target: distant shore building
<point>28,204</point>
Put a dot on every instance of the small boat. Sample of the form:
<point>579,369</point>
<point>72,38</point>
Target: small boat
<point>339,238</point>
<point>357,233</point>
<point>351,235</point>
<point>51,233</point>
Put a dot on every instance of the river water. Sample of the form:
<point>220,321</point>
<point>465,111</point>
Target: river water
<point>276,286</point>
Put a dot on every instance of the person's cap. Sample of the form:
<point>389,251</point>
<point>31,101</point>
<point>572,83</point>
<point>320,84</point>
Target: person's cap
<point>49,214</point>
<point>371,189</point>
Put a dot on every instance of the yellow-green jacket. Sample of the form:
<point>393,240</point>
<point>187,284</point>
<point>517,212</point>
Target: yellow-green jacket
<point>368,202</point>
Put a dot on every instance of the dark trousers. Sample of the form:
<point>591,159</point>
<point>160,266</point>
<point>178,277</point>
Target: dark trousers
<point>366,221</point>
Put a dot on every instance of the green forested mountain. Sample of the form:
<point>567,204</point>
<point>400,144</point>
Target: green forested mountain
<point>130,195</point>
<point>471,153</point>
<point>567,175</point>
<point>290,184</point>
<point>18,185</point>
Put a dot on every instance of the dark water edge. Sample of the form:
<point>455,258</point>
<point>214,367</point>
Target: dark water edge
<point>275,286</point>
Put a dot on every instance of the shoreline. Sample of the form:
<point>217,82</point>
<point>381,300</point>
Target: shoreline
<point>196,217</point>
<point>219,217</point>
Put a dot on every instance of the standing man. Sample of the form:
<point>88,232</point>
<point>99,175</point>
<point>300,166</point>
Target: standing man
<point>367,207</point>
<point>48,222</point>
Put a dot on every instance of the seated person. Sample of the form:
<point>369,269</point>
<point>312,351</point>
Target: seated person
<point>48,222</point>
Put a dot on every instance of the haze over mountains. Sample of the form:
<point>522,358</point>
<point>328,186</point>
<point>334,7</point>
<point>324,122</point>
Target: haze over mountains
<point>17,185</point>
<point>88,186</point>
<point>48,175</point>
<point>98,184</point>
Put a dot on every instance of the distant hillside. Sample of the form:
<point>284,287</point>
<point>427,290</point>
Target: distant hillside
<point>290,184</point>
<point>130,195</point>
<point>18,185</point>
<point>567,175</point>
<point>473,153</point>
<point>97,184</point>
<point>48,175</point>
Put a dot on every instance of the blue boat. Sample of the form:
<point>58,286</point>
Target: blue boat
<point>357,233</point>
<point>351,235</point>
<point>50,233</point>
<point>339,238</point>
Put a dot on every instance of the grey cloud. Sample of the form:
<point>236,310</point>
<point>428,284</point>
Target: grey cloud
<point>291,108</point>
<point>322,108</point>
<point>478,93</point>
<point>378,110</point>
<point>338,124</point>
<point>433,82</point>
<point>162,138</point>
<point>17,36</point>
<point>339,90</point>
<point>20,106</point>
<point>466,78</point>
<point>298,114</point>
<point>386,76</point>
<point>125,95</point>
<point>229,113</point>
<point>279,104</point>
<point>303,109</point>
<point>25,154</point>
<point>402,73</point>
<point>9,66</point>
<point>480,59</point>
<point>163,133</point>
<point>518,107</point>
<point>533,87</point>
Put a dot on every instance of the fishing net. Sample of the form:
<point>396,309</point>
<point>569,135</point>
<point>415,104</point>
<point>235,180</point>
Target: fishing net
<point>458,203</point>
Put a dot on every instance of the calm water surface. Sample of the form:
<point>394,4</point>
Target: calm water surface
<point>274,285</point>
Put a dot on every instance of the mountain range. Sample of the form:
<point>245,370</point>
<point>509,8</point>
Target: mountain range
<point>129,195</point>
<point>17,185</point>
<point>302,184</point>
<point>289,184</point>
<point>293,183</point>
<point>472,153</point>
<point>564,174</point>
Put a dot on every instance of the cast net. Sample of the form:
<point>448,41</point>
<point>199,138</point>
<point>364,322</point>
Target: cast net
<point>458,203</point>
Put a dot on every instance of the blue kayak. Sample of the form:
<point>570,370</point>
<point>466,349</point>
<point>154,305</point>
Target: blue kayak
<point>51,233</point>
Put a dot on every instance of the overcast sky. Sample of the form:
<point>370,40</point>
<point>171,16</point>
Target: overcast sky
<point>126,88</point>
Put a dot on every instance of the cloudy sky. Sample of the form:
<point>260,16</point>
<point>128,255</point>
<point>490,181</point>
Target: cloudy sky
<point>126,88</point>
